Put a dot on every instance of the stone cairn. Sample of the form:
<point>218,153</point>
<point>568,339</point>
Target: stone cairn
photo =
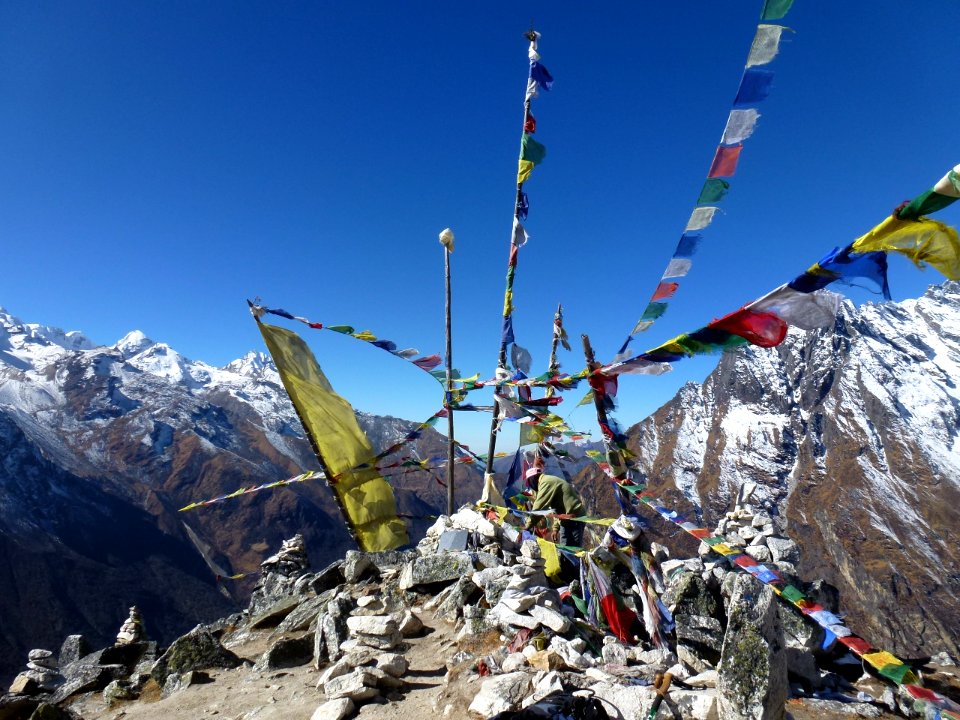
<point>279,574</point>
<point>42,674</point>
<point>132,630</point>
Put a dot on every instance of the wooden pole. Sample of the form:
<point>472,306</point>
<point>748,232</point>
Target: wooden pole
<point>449,403</point>
<point>553,366</point>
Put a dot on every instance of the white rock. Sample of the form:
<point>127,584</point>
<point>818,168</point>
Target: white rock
<point>337,669</point>
<point>706,679</point>
<point>334,710</point>
<point>530,549</point>
<point>357,685</point>
<point>393,664</point>
<point>545,684</point>
<point>472,520</point>
<point>408,624</point>
<point>372,624</point>
<point>436,530</point>
<point>501,693</point>
<point>550,618</point>
<point>369,602</point>
<point>503,615</point>
<point>513,662</point>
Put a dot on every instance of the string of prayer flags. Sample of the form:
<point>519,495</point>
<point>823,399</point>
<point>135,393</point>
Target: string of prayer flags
<point>886,664</point>
<point>755,84</point>
<point>804,303</point>
<point>532,154</point>
<point>424,362</point>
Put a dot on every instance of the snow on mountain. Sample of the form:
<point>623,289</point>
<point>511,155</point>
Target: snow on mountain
<point>851,435</point>
<point>101,445</point>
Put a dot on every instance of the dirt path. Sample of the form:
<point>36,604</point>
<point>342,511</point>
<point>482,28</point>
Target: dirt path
<point>291,694</point>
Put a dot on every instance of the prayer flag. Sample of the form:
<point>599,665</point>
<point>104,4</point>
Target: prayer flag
<point>531,150</point>
<point>714,190</point>
<point>725,161</point>
<point>524,169</point>
<point>700,218</point>
<point>758,328</point>
<point>687,247</point>
<point>520,236</point>
<point>844,266</point>
<point>806,311</point>
<point>754,87</point>
<point>678,267</point>
<point>766,45</point>
<point>665,290</point>
<point>654,310</point>
<point>523,206</point>
<point>530,124</point>
<point>924,241</point>
<point>740,126</point>
<point>775,9</point>
<point>365,498</point>
<point>542,76</point>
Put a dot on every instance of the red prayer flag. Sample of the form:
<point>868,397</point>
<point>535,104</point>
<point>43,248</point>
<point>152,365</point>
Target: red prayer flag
<point>618,618</point>
<point>664,290</point>
<point>858,645</point>
<point>758,328</point>
<point>530,124</point>
<point>725,161</point>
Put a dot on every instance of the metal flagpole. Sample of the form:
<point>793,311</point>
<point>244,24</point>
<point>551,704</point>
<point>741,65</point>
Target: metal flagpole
<point>446,239</point>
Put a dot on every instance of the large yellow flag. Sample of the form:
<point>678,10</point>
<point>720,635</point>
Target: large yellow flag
<point>365,498</point>
<point>924,241</point>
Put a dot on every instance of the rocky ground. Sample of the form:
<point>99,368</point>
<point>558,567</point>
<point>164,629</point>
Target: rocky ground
<point>468,625</point>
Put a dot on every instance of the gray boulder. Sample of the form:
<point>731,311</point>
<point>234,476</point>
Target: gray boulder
<point>688,595</point>
<point>286,653</point>
<point>197,650</point>
<point>332,631</point>
<point>434,569</point>
<point>752,682</point>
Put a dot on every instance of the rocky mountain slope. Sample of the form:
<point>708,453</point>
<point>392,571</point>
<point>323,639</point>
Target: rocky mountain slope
<point>851,435</point>
<point>99,447</point>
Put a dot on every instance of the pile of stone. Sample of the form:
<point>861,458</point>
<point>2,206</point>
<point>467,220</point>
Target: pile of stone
<point>42,674</point>
<point>132,630</point>
<point>119,671</point>
<point>279,574</point>
<point>734,650</point>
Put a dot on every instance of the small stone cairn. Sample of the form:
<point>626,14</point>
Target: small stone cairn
<point>279,574</point>
<point>132,630</point>
<point>42,674</point>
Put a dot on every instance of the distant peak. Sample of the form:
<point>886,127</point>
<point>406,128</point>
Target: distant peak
<point>133,343</point>
<point>252,364</point>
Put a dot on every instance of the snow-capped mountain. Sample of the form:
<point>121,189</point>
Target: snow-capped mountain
<point>852,436</point>
<point>99,447</point>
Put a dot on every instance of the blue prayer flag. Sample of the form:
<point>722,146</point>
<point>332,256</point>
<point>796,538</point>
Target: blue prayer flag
<point>543,77</point>
<point>754,87</point>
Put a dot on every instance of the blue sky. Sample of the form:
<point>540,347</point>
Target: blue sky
<point>162,163</point>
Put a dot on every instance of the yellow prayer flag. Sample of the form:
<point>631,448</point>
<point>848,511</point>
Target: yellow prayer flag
<point>924,241</point>
<point>881,659</point>
<point>523,171</point>
<point>548,551</point>
<point>365,498</point>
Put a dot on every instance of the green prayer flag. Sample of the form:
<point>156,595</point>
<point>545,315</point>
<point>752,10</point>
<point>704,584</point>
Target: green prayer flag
<point>714,190</point>
<point>775,9</point>
<point>897,673</point>
<point>531,150</point>
<point>924,204</point>
<point>653,311</point>
<point>792,594</point>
